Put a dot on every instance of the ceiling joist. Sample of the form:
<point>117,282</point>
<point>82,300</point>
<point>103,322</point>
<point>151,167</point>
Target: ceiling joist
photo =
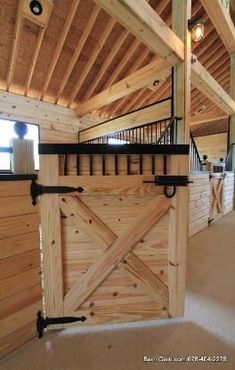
<point>144,77</point>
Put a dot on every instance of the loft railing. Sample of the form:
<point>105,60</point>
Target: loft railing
<point>159,132</point>
<point>195,160</point>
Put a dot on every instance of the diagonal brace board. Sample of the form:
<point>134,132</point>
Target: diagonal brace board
<point>81,290</point>
<point>82,216</point>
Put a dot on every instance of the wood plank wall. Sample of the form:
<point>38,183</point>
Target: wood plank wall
<point>20,281</point>
<point>199,202</point>
<point>228,193</point>
<point>200,197</point>
<point>214,146</point>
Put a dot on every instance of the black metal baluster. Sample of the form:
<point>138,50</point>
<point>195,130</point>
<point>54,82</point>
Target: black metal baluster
<point>91,164</point>
<point>116,164</point>
<point>141,165</point>
<point>128,165</point>
<point>103,165</point>
<point>65,165</point>
<point>153,164</point>
<point>78,165</point>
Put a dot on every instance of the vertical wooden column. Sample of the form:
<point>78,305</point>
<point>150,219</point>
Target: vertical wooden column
<point>51,237</point>
<point>179,165</point>
<point>232,118</point>
<point>181,12</point>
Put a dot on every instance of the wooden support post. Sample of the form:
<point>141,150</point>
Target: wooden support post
<point>178,220</point>
<point>232,118</point>
<point>181,12</point>
<point>51,237</point>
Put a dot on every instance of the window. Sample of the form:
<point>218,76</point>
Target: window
<point>7,133</point>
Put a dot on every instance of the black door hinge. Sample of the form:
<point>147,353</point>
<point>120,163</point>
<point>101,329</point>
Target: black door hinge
<point>170,181</point>
<point>37,189</point>
<point>43,321</point>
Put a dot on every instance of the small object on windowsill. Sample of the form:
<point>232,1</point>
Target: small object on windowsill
<point>22,157</point>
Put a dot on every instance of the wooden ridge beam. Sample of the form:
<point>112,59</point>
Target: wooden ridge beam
<point>135,81</point>
<point>204,82</point>
<point>141,20</point>
<point>221,19</point>
<point>153,113</point>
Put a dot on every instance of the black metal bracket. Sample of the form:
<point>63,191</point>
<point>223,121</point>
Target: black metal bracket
<point>37,189</point>
<point>43,321</point>
<point>170,181</point>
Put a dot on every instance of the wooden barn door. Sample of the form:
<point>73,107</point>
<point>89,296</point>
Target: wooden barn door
<point>116,252</point>
<point>216,196</point>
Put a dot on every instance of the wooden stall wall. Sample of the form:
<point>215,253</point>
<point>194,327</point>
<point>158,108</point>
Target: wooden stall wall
<point>210,198</point>
<point>228,193</point>
<point>214,146</point>
<point>20,281</point>
<point>199,202</point>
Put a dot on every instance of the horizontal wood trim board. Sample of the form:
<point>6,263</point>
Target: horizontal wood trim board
<point>17,206</point>
<point>17,338</point>
<point>18,301</point>
<point>14,265</point>
<point>19,282</point>
<point>111,185</point>
<point>19,319</point>
<point>21,225</point>
<point>153,113</point>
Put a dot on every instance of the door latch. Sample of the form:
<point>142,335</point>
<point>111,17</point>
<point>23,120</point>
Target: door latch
<point>170,181</point>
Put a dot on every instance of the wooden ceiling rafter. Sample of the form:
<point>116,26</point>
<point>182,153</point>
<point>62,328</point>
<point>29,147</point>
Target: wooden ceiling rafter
<point>78,49</point>
<point>160,8</point>
<point>59,46</point>
<point>221,19</point>
<point>100,43</point>
<point>134,67</point>
<point>119,42</point>
<point>40,37</point>
<point>146,94</point>
<point>15,44</point>
<point>221,76</point>
<point>141,78</point>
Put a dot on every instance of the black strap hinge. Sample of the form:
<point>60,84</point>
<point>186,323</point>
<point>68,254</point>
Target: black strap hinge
<point>170,181</point>
<point>43,321</point>
<point>37,189</point>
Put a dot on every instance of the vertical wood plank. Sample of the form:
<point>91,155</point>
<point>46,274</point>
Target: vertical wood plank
<point>178,216</point>
<point>178,220</point>
<point>51,237</point>
<point>232,118</point>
